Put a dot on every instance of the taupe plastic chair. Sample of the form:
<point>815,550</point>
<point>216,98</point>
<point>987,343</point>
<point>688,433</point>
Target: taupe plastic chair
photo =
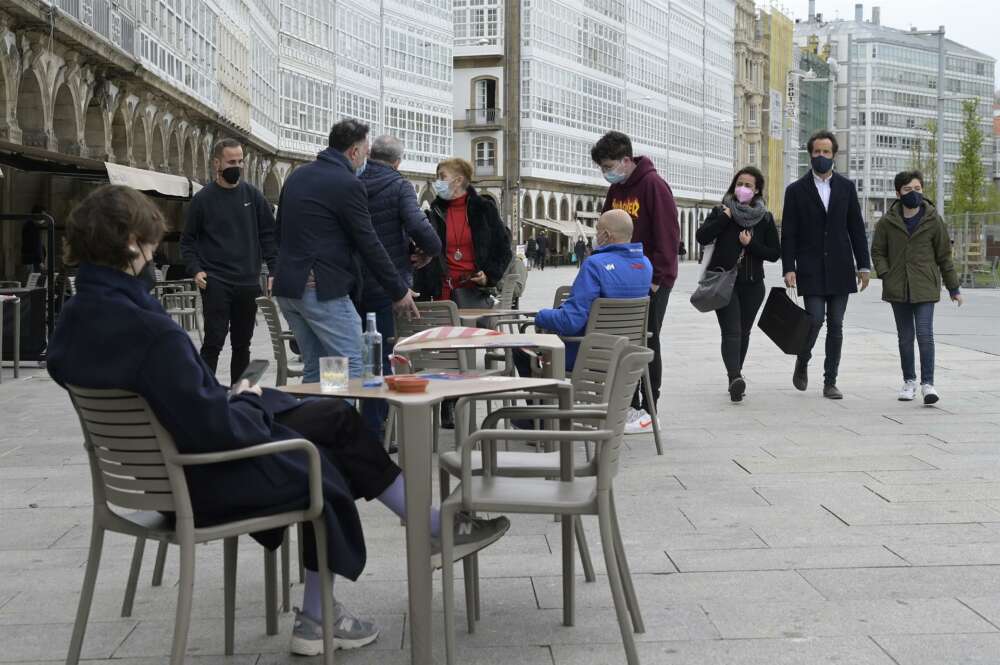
<point>581,496</point>
<point>592,379</point>
<point>629,318</point>
<point>33,280</point>
<point>279,340</point>
<point>134,465</point>
<point>182,306</point>
<point>561,295</point>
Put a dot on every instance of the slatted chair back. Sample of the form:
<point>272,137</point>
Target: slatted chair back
<point>33,280</point>
<point>594,369</point>
<point>626,317</point>
<point>125,447</point>
<point>628,372</point>
<point>562,294</point>
<point>433,315</point>
<point>269,308</point>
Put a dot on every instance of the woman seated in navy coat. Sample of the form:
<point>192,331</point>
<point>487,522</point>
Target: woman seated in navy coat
<point>114,334</point>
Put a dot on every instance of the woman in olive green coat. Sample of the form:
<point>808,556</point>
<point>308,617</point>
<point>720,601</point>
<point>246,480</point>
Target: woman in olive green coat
<point>911,252</point>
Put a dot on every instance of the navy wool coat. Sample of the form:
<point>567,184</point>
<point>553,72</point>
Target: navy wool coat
<point>823,247</point>
<point>114,335</point>
<point>398,220</point>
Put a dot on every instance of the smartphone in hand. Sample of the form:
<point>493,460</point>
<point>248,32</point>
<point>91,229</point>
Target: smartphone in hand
<point>254,371</point>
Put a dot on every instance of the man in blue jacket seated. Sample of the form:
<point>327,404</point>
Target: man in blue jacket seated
<point>616,269</point>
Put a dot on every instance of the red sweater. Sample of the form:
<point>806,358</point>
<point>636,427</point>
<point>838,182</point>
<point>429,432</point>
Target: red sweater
<point>647,198</point>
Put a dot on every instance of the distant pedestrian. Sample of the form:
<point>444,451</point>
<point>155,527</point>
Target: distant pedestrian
<point>640,191</point>
<point>911,253</point>
<point>580,251</point>
<point>398,222</point>
<point>530,251</point>
<point>542,251</point>
<point>228,234</point>
<point>32,247</point>
<point>745,235</point>
<point>824,253</point>
<point>326,233</point>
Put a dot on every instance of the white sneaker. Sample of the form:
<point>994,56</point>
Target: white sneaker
<point>930,395</point>
<point>637,421</point>
<point>908,392</point>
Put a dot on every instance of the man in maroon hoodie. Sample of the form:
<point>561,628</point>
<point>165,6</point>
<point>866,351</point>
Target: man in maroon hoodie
<point>639,190</point>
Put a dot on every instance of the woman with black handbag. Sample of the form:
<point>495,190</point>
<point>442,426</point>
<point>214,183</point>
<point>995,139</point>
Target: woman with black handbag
<point>476,248</point>
<point>744,236</point>
<point>476,245</point>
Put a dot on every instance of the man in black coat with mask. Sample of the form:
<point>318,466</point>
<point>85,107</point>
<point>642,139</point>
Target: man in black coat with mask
<point>824,253</point>
<point>228,234</point>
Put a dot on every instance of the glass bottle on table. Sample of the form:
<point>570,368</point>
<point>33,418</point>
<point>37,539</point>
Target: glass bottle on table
<point>371,352</point>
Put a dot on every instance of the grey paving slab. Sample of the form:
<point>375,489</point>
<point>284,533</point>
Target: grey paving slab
<point>792,558</point>
<point>905,582</point>
<point>983,491</point>
<point>937,649</point>
<point>955,554</point>
<point>797,651</point>
<point>813,464</point>
<point>987,607</point>
<point>34,640</point>
<point>927,512</point>
<point>741,619</point>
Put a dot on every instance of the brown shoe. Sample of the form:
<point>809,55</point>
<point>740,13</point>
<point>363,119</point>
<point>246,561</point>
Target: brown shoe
<point>831,391</point>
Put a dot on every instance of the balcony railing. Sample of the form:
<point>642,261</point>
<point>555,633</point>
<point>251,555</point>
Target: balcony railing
<point>483,116</point>
<point>486,167</point>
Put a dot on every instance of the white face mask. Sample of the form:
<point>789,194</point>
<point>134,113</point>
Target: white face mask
<point>443,189</point>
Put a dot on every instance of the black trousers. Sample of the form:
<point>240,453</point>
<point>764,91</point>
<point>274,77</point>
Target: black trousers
<point>736,322</point>
<point>232,310</point>
<point>338,430</point>
<point>657,310</point>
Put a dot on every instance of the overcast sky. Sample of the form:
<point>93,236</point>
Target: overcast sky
<point>972,23</point>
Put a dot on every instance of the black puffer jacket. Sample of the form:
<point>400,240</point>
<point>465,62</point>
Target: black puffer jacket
<point>397,219</point>
<point>764,245</point>
<point>490,240</point>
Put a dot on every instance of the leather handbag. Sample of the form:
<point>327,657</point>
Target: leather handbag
<point>715,288</point>
<point>471,297</point>
<point>787,324</point>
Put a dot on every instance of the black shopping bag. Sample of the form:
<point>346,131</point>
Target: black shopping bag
<point>788,325</point>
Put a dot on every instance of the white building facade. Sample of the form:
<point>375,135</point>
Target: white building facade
<point>660,71</point>
<point>887,100</point>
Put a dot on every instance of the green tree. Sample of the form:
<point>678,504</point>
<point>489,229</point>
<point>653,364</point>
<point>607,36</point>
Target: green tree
<point>969,193</point>
<point>926,162</point>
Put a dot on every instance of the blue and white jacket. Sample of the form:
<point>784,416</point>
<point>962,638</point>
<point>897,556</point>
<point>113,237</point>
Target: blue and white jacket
<point>613,271</point>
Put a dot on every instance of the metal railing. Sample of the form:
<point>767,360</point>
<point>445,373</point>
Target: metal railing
<point>483,116</point>
<point>975,241</point>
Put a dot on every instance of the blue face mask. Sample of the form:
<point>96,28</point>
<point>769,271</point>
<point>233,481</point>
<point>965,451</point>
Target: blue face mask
<point>613,176</point>
<point>443,189</point>
<point>361,169</point>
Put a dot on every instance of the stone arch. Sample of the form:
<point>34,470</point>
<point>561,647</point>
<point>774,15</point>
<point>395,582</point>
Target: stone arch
<point>96,132</point>
<point>564,209</point>
<point>32,110</point>
<point>590,205</point>
<point>120,135</point>
<point>553,208</point>
<point>10,80</point>
<point>64,123</point>
<point>540,207</point>
<point>526,208</point>
<point>140,142</point>
<point>427,197</point>
<point>173,152</point>
<point>157,159</point>
<point>272,186</point>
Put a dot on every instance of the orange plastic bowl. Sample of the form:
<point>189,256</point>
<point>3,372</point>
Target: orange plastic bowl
<point>411,384</point>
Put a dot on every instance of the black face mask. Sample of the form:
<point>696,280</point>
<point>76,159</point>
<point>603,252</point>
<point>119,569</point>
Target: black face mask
<point>912,199</point>
<point>231,174</point>
<point>822,164</point>
<point>147,275</point>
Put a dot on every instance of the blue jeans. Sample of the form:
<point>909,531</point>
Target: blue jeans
<point>832,309</point>
<point>374,411</point>
<point>324,328</point>
<point>915,320</point>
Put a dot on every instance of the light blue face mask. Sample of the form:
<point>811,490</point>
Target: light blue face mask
<point>613,177</point>
<point>361,169</point>
<point>442,188</point>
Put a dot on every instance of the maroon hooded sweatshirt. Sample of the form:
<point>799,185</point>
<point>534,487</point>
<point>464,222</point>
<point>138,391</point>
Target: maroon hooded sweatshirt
<point>647,198</point>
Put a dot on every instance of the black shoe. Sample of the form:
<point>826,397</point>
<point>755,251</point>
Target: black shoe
<point>737,388</point>
<point>448,414</point>
<point>800,379</point>
<point>831,391</point>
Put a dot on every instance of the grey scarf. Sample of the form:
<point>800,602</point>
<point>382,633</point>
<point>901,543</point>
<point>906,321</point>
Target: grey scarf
<point>747,216</point>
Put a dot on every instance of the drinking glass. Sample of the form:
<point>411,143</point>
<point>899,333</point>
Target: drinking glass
<point>333,374</point>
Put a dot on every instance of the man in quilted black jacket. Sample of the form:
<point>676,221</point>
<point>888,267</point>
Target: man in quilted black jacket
<point>401,227</point>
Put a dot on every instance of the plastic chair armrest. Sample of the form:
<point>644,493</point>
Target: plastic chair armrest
<point>543,413</point>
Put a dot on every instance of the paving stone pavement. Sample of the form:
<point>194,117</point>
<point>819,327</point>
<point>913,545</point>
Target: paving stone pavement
<point>787,529</point>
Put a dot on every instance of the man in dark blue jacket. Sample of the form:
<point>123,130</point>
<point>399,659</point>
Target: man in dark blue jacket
<point>398,221</point>
<point>617,269</point>
<point>824,253</point>
<point>326,237</point>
